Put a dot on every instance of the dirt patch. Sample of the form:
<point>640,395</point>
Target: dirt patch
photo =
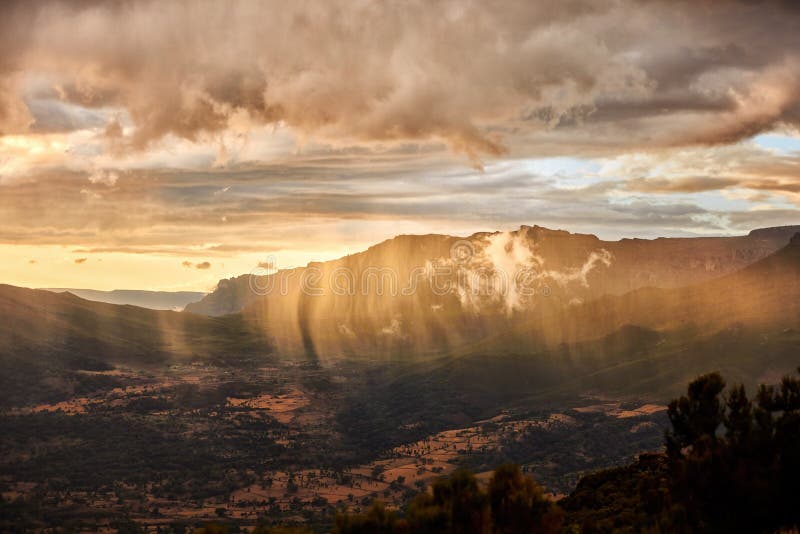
<point>280,406</point>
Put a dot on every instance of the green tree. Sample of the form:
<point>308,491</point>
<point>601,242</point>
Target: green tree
<point>738,420</point>
<point>377,520</point>
<point>696,417</point>
<point>518,504</point>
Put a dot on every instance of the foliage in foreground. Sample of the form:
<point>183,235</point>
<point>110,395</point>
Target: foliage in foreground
<point>512,503</point>
<point>732,465</point>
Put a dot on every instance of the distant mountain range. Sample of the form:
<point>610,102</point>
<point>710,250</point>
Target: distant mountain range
<point>631,316</point>
<point>155,300</point>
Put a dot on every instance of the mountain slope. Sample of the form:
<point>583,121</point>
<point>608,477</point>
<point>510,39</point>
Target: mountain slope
<point>662,262</point>
<point>49,338</point>
<point>651,341</point>
<point>642,341</point>
<point>416,296</point>
<point>766,293</point>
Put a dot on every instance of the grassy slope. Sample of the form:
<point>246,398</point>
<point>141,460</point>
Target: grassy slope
<point>46,336</point>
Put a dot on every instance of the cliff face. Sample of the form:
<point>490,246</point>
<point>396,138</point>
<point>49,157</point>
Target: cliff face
<point>634,263</point>
<point>416,295</point>
<point>764,294</point>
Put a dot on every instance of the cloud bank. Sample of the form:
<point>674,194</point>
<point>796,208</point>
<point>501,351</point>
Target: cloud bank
<point>481,77</point>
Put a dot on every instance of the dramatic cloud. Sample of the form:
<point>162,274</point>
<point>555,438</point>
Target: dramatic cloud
<point>681,185</point>
<point>740,167</point>
<point>482,77</point>
<point>102,176</point>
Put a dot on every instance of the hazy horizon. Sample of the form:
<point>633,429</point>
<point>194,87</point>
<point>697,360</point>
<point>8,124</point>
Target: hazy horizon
<point>274,261</point>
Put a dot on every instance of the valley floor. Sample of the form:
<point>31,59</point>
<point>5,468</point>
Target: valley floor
<point>290,442</point>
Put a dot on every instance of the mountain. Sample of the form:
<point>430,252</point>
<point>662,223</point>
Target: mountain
<point>766,293</point>
<point>661,262</point>
<point>645,344</point>
<point>187,407</point>
<point>650,341</point>
<point>514,344</point>
<point>155,300</point>
<point>428,295</point>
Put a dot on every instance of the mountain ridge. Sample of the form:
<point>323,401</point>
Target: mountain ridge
<point>154,300</point>
<point>51,339</point>
<point>707,257</point>
<point>646,340</point>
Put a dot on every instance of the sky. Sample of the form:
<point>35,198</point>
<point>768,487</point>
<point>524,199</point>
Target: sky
<point>167,145</point>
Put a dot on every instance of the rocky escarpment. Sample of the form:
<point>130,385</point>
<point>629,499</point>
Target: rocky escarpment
<point>632,263</point>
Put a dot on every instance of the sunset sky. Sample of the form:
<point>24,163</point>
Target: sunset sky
<point>166,145</point>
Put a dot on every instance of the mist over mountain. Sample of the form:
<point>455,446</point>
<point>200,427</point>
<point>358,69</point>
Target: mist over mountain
<point>530,292</point>
<point>417,295</point>
<point>592,313</point>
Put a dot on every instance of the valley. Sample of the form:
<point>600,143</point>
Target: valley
<point>201,443</point>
